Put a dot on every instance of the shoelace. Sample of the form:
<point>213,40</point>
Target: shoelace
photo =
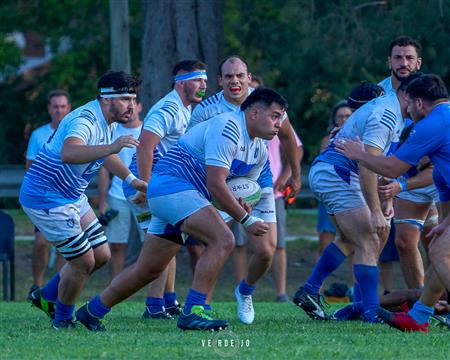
<point>248,305</point>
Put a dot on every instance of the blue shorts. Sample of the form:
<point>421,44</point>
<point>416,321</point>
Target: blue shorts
<point>390,252</point>
<point>324,223</point>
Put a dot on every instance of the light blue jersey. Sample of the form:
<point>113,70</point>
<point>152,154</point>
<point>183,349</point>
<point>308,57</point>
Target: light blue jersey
<point>37,140</point>
<point>50,182</point>
<point>378,123</point>
<point>210,107</point>
<point>168,119</point>
<point>222,142</point>
<point>386,84</point>
<point>216,105</point>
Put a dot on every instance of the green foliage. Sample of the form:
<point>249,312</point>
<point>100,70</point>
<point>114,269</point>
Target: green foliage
<point>314,51</point>
<point>82,28</point>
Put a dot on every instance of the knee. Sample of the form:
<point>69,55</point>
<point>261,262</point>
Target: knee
<point>402,244</point>
<point>226,242</point>
<point>265,252</point>
<point>102,256</point>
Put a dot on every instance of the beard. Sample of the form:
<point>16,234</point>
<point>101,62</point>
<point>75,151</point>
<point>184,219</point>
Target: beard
<point>402,77</point>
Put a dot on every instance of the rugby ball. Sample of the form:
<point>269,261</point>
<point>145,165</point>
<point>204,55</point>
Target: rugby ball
<point>245,188</point>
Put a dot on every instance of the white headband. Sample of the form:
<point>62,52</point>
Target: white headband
<point>115,93</point>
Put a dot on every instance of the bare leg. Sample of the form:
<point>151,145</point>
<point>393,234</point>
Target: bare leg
<point>279,266</point>
<point>117,261</point>
<point>239,262</point>
<point>39,258</point>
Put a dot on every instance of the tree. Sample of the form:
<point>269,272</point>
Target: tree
<point>176,30</point>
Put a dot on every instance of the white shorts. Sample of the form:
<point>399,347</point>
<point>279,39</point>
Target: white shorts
<point>120,228</point>
<point>264,208</point>
<point>337,190</point>
<point>62,222</point>
<point>172,209</point>
<point>425,194</point>
<point>141,212</point>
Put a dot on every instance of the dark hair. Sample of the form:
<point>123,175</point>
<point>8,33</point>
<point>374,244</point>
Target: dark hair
<point>57,92</point>
<point>405,41</point>
<point>258,79</point>
<point>188,65</point>
<point>341,104</point>
<point>429,87</point>
<point>118,80</point>
<point>266,96</point>
<point>231,57</point>
<point>406,81</point>
<point>363,93</point>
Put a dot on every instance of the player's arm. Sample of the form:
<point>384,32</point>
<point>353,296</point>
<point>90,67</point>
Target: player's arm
<point>103,186</point>
<point>215,182</point>
<point>144,153</point>
<point>389,166</point>
<point>289,147</point>
<point>114,165</point>
<point>75,150</point>
<point>422,179</point>
<point>369,183</point>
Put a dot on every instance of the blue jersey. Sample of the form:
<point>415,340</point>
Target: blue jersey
<point>168,119</point>
<point>377,123</point>
<point>50,182</point>
<point>431,137</point>
<point>223,142</point>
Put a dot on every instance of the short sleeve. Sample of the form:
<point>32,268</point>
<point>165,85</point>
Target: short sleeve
<point>33,147</point>
<point>379,129</point>
<point>81,128</point>
<point>161,120</point>
<point>221,145</point>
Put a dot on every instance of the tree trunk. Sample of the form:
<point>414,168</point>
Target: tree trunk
<point>120,35</point>
<point>159,55</point>
<point>176,30</point>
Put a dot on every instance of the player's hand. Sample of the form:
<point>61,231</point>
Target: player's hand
<point>437,231</point>
<point>127,141</point>
<point>139,185</point>
<point>353,149</point>
<point>258,228</point>
<point>387,207</point>
<point>388,191</point>
<point>139,198</point>
<point>280,184</point>
<point>295,183</point>
<point>379,223</point>
<point>245,206</point>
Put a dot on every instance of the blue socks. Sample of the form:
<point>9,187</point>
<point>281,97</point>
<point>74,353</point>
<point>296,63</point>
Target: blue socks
<point>246,289</point>
<point>194,298</point>
<point>421,312</point>
<point>367,278</point>
<point>170,299</point>
<point>63,312</point>
<point>96,307</point>
<point>207,307</point>
<point>154,304</point>
<point>357,297</point>
<point>332,257</point>
<point>50,290</point>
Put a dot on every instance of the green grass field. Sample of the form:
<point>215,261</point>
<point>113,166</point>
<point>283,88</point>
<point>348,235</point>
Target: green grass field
<point>280,331</point>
